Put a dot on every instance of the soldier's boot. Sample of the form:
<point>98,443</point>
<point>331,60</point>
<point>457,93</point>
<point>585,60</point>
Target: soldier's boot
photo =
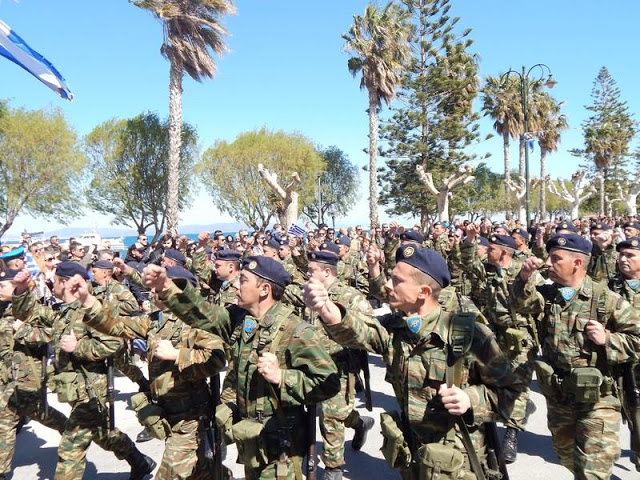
<point>332,473</point>
<point>141,465</point>
<point>510,445</point>
<point>362,429</point>
<point>143,385</point>
<point>143,436</point>
<point>530,410</point>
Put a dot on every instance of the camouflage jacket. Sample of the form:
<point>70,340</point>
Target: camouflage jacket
<point>309,374</point>
<point>602,265</point>
<point>564,342</point>
<point>114,291</point>
<point>416,361</point>
<point>619,285</point>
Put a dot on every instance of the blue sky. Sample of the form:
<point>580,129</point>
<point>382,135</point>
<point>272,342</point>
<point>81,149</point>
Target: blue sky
<point>286,70</point>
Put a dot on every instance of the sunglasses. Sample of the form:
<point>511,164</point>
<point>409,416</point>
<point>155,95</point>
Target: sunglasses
<point>48,259</point>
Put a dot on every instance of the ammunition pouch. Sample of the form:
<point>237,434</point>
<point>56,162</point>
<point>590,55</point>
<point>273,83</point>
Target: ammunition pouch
<point>545,376</point>
<point>66,385</point>
<point>440,462</point>
<point>584,384</point>
<point>151,416</point>
<point>224,423</point>
<point>514,339</point>
<point>395,448</point>
<point>248,439</point>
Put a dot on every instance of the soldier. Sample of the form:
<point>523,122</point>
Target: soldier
<point>351,270</point>
<point>339,411</point>
<point>80,379</point>
<point>279,364</point>
<point>602,265</point>
<point>522,238</point>
<point>632,229</point>
<point>435,392</point>
<point>20,376</point>
<point>586,329</point>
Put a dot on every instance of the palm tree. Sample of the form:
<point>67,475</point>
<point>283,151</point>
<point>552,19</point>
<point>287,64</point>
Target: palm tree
<point>191,28</point>
<point>378,43</point>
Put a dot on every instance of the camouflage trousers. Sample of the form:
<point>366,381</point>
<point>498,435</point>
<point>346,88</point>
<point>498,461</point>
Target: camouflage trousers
<point>268,472</point>
<point>337,413</point>
<point>23,404</point>
<point>122,361</point>
<point>87,422</point>
<point>586,436</point>
<point>184,453</point>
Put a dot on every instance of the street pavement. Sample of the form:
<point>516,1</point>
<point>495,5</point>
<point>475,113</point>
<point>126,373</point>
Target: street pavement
<point>35,456</point>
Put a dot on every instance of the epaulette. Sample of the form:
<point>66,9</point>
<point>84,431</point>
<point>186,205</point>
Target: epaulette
<point>302,326</point>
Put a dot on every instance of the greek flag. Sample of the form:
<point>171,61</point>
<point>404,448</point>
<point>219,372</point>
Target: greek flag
<point>17,50</point>
<point>295,230</point>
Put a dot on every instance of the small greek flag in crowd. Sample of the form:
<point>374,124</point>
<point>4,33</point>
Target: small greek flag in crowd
<point>32,266</point>
<point>17,50</point>
<point>295,230</point>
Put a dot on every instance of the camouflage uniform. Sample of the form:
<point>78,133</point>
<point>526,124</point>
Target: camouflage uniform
<point>585,435</point>
<point>179,387</point>
<point>352,273</point>
<point>416,367</point>
<point>81,375</point>
<point>602,265</point>
<point>20,387</point>
<point>309,375</point>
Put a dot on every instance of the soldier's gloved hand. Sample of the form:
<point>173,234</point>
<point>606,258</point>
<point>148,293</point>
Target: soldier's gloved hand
<point>315,295</point>
<point>68,342</point>
<point>21,281</point>
<point>596,332</point>
<point>530,265</point>
<point>269,368</point>
<point>455,400</point>
<point>165,350</point>
<point>155,277</point>
<point>79,289</point>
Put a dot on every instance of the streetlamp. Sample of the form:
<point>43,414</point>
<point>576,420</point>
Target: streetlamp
<point>541,70</point>
<point>319,199</point>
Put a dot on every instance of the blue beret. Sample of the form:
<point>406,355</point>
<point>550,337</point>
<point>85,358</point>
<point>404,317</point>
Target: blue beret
<point>427,261</point>
<point>412,236</point>
<point>181,273</point>
<point>272,242</point>
<point>502,240</point>
<point>176,255</point>
<point>106,264</point>
<point>13,254</point>
<point>332,247</point>
<point>635,225</point>
<point>69,269</point>
<point>283,242</point>
<point>8,274</point>
<point>631,242</point>
<point>267,268</point>
<point>483,241</point>
<point>522,232</point>
<point>343,240</point>
<point>228,255</point>
<point>500,225</point>
<point>325,256</point>
<point>600,226</point>
<point>570,241</point>
<point>566,226</point>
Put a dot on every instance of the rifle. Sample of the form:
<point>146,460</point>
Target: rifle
<point>44,405</point>
<point>110,395</point>
<point>312,465</point>
<point>495,456</point>
<point>632,397</point>
<point>215,435</point>
<point>364,365</point>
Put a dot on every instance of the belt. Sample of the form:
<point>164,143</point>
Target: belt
<point>188,402</point>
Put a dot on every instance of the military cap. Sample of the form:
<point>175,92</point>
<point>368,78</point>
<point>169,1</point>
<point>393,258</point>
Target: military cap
<point>175,255</point>
<point>412,236</point>
<point>105,264</point>
<point>500,225</point>
<point>325,256</point>
<point>482,241</point>
<point>272,242</point>
<point>69,269</point>
<point>267,268</point>
<point>600,226</point>
<point>631,242</point>
<point>427,261</point>
<point>8,274</point>
<point>566,226</point>
<point>228,255</point>
<point>332,247</point>
<point>283,242</point>
<point>522,232</point>
<point>635,225</point>
<point>437,224</point>
<point>343,240</point>
<point>180,273</point>
<point>570,241</point>
<point>13,254</point>
<point>502,240</point>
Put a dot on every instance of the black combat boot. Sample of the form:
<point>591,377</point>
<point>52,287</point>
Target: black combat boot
<point>362,428</point>
<point>143,436</point>
<point>332,473</point>
<point>510,445</point>
<point>141,465</point>
<point>143,385</point>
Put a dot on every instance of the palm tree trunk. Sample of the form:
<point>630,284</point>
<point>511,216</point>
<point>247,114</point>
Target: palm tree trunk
<point>175,142</point>
<point>543,184</point>
<point>507,158</point>
<point>521,166</point>
<point>601,181</point>
<point>373,158</point>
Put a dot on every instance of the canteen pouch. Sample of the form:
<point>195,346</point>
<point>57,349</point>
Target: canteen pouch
<point>224,422</point>
<point>544,374</point>
<point>150,416</point>
<point>584,383</point>
<point>440,462</point>
<point>66,385</point>
<point>514,339</point>
<point>394,446</point>
<point>248,439</point>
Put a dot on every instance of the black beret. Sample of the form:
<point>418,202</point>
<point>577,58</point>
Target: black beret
<point>8,274</point>
<point>635,225</point>
<point>13,254</point>
<point>228,255</point>
<point>272,242</point>
<point>600,226</point>
<point>105,264</point>
<point>566,226</point>
<point>570,241</point>
<point>522,232</point>
<point>502,240</point>
<point>267,268</point>
<point>175,255</point>
<point>69,269</point>
<point>332,247</point>
<point>631,242</point>
<point>427,261</point>
<point>325,256</point>
<point>412,236</point>
<point>343,240</point>
<point>180,273</point>
<point>483,241</point>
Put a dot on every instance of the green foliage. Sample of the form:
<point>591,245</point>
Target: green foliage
<point>231,173</point>
<point>41,165</point>
<point>484,196</point>
<point>130,173</point>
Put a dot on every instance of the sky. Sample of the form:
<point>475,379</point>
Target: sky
<point>286,70</point>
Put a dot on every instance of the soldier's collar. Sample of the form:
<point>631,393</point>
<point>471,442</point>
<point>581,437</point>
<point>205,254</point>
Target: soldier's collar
<point>423,325</point>
<point>268,319</point>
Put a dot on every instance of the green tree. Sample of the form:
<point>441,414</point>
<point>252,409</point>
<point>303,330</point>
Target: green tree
<point>192,30</point>
<point>41,166</point>
<point>338,189</point>
<point>231,175</point>
<point>485,195</point>
<point>378,43</point>
<point>129,161</point>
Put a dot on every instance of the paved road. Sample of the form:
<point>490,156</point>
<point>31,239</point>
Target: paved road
<point>35,456</point>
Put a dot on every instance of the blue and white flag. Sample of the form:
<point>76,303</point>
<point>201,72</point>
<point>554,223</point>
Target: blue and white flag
<point>295,230</point>
<point>17,50</point>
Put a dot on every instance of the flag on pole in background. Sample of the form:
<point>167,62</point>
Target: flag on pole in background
<point>17,50</point>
